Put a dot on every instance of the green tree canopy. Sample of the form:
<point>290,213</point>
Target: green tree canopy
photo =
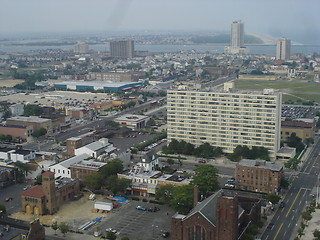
<point>39,132</point>
<point>116,185</point>
<point>110,123</point>
<point>165,193</point>
<point>206,178</point>
<point>3,208</point>
<point>64,228</point>
<point>32,110</point>
<point>182,201</point>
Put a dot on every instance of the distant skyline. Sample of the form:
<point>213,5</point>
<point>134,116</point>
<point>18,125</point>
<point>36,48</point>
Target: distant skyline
<point>294,19</point>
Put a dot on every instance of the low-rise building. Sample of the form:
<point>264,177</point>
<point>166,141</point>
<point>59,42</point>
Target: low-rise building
<point>133,121</point>
<point>48,197</point>
<point>34,122</point>
<point>10,155</point>
<point>19,133</point>
<point>286,153</point>
<point>97,148</point>
<point>258,176</point>
<point>303,129</point>
<point>84,168</point>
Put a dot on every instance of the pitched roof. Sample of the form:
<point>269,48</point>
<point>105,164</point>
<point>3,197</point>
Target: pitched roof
<point>207,208</point>
<point>35,192</point>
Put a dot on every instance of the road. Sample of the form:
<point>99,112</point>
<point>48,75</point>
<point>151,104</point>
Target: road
<point>286,219</point>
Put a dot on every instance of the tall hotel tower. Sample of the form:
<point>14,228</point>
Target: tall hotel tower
<point>283,49</point>
<point>122,49</point>
<point>237,39</point>
<point>225,118</point>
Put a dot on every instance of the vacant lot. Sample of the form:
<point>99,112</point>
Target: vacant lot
<point>292,90</point>
<point>74,213</point>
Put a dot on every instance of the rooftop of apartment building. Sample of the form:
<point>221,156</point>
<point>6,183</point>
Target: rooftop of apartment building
<point>263,164</point>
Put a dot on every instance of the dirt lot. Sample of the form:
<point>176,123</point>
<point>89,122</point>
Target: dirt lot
<point>74,213</point>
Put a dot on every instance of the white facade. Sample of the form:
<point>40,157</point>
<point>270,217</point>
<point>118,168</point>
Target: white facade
<point>236,39</point>
<point>17,109</point>
<point>12,155</point>
<point>283,49</point>
<point>133,121</point>
<point>237,34</point>
<point>62,169</point>
<point>225,119</point>
<point>95,149</point>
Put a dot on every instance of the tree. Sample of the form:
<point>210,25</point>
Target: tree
<point>55,227</point>
<point>273,198</point>
<point>206,178</point>
<point>39,132</point>
<point>32,110</point>
<point>165,193</point>
<point>182,201</point>
<point>111,236</point>
<point>93,181</point>
<point>64,228</point>
<point>2,209</point>
<point>295,141</point>
<point>23,167</point>
<point>151,122</point>
<point>112,168</point>
<point>116,185</point>
<point>125,238</point>
<point>110,123</point>
<point>316,234</point>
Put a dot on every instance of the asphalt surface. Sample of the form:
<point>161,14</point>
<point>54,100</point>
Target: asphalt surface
<point>13,192</point>
<point>285,219</point>
<point>137,224</point>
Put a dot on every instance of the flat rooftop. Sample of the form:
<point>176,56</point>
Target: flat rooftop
<point>260,164</point>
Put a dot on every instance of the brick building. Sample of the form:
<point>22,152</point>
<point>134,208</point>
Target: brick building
<point>222,216</point>
<point>18,133</point>
<point>34,122</point>
<point>46,198</point>
<point>258,176</point>
<point>84,168</point>
<point>302,129</point>
<point>72,144</point>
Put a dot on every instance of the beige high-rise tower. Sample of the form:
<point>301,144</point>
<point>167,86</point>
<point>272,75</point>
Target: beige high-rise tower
<point>283,49</point>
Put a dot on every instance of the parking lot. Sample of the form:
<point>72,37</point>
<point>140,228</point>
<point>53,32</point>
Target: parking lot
<point>138,224</point>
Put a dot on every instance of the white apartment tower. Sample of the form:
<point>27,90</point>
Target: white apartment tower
<point>283,49</point>
<point>225,118</point>
<point>237,39</point>
<point>237,34</point>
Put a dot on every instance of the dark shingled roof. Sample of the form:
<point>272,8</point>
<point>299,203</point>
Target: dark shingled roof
<point>207,208</point>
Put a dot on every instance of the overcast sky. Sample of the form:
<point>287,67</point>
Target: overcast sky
<point>289,18</point>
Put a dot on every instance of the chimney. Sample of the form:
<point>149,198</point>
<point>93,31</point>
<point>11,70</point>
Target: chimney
<point>195,195</point>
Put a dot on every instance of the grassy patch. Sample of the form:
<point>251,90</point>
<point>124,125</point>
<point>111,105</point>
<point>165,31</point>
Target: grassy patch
<point>306,91</point>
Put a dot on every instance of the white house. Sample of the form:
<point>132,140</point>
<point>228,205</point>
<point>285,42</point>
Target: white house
<point>149,161</point>
<point>17,109</point>
<point>62,169</point>
<point>95,149</point>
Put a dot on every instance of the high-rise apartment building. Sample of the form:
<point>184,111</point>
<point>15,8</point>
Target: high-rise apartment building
<point>122,49</point>
<point>237,34</point>
<point>236,39</point>
<point>225,118</point>
<point>81,48</point>
<point>283,49</point>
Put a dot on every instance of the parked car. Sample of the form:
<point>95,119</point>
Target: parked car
<point>8,199</point>
<point>202,161</point>
<point>165,234</point>
<point>282,204</point>
<point>141,208</point>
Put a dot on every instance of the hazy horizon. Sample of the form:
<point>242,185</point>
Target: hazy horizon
<point>293,19</point>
